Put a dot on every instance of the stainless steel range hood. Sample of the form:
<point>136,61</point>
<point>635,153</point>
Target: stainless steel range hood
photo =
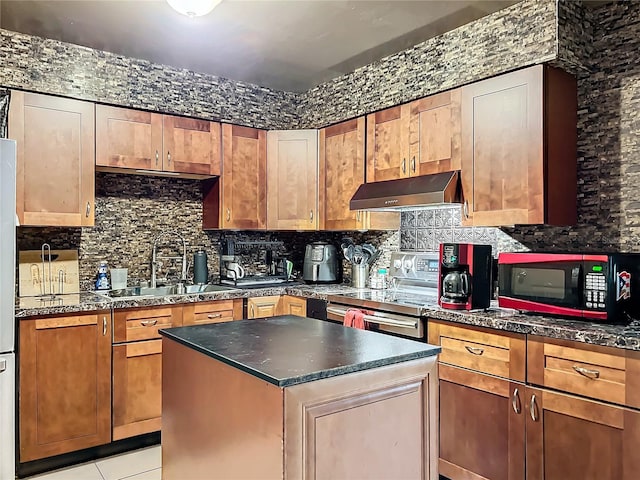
<point>408,193</point>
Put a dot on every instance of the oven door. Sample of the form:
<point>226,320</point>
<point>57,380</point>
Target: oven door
<point>549,283</point>
<point>385,322</point>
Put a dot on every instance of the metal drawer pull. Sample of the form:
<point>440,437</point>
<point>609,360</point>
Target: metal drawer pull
<point>311,215</point>
<point>148,323</point>
<point>157,157</point>
<point>228,214</point>
<point>533,409</point>
<point>474,350</point>
<point>592,374</point>
<point>169,157</point>
<point>88,210</point>
<point>515,402</point>
<point>214,315</point>
<point>404,165</point>
<point>104,326</point>
<point>413,164</point>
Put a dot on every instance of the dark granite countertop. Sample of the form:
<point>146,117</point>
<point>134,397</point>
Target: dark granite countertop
<point>288,350</point>
<point>90,301</point>
<point>619,336</point>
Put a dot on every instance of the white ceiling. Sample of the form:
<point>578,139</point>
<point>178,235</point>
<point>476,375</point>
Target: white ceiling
<point>287,45</point>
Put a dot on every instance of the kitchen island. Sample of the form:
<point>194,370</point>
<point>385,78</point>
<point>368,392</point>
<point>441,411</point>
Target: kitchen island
<point>291,397</point>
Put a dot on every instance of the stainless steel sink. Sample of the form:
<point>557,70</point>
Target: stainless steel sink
<point>166,290</point>
<point>207,288</point>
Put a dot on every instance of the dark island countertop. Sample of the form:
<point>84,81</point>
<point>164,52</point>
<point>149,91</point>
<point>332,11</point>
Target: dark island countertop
<point>289,350</point>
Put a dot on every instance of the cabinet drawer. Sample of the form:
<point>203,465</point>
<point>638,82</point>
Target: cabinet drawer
<point>144,323</point>
<point>480,349</point>
<point>603,373</point>
<point>209,312</point>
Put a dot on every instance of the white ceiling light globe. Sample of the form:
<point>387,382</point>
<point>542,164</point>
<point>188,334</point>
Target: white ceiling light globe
<point>193,8</point>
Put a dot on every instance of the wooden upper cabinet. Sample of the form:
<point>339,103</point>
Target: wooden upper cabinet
<point>140,140</point>
<point>519,148</point>
<point>341,167</point>
<point>191,146</point>
<point>244,178</point>
<point>127,138</point>
<point>434,134</point>
<point>418,138</point>
<point>292,180</point>
<point>64,384</point>
<point>387,144</point>
<point>55,159</point>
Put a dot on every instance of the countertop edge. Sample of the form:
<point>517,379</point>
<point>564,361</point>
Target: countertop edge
<point>306,378</point>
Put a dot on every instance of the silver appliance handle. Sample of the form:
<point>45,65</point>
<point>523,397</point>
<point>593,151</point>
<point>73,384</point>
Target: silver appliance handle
<point>380,319</point>
<point>3,365</point>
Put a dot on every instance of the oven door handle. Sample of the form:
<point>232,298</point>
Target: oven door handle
<point>379,319</point>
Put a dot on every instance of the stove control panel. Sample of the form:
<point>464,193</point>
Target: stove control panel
<point>416,266</point>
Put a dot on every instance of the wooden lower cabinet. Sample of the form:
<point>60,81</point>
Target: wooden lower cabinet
<point>482,426</point>
<point>294,306</point>
<point>262,307</point>
<point>64,384</point>
<point>217,311</point>
<point>137,367</point>
<point>137,388</point>
<point>571,438</point>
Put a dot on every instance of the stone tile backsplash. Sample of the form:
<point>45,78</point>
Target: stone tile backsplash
<point>424,230</point>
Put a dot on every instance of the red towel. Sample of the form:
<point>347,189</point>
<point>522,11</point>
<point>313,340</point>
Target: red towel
<point>355,318</point>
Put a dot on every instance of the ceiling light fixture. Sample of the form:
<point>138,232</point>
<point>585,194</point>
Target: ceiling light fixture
<point>193,8</point>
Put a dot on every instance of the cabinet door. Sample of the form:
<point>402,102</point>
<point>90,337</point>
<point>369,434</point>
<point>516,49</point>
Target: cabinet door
<point>294,306</point>
<point>570,438</point>
<point>388,144</point>
<point>211,312</point>
<point>64,384</point>
<point>341,170</point>
<point>244,179</point>
<point>482,426</point>
<point>191,146</point>
<point>137,388</point>
<point>261,307</point>
<point>55,159</point>
<point>434,134</point>
<point>127,138</point>
<point>292,180</point>
<point>341,173</point>
<point>502,149</point>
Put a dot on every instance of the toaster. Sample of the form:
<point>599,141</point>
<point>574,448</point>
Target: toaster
<point>320,263</point>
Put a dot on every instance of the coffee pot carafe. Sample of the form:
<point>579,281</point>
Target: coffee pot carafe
<point>455,286</point>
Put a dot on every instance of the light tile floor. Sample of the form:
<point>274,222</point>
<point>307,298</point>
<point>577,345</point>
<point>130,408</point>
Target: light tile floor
<point>141,464</point>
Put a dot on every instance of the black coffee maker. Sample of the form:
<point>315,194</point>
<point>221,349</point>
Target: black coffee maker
<point>465,276</point>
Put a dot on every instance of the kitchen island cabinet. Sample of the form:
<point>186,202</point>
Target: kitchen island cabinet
<point>300,398</point>
<point>64,384</point>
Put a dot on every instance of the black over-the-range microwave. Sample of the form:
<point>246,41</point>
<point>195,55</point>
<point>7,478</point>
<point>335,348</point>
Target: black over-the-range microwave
<point>598,287</point>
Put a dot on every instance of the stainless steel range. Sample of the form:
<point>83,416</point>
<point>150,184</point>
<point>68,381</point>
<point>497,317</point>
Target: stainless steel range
<point>396,310</point>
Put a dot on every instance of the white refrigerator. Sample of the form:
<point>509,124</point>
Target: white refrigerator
<point>7,308</point>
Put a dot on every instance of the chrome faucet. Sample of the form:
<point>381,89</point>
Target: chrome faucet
<point>155,257</point>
